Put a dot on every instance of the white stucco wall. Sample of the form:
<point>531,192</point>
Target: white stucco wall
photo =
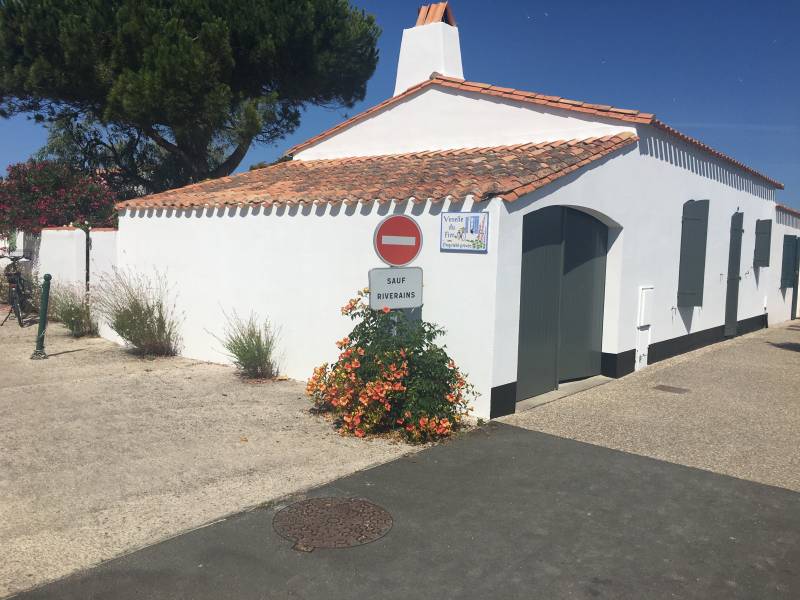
<point>432,48</point>
<point>299,266</point>
<point>779,300</point>
<point>62,254</point>
<point>643,189</point>
<point>442,118</point>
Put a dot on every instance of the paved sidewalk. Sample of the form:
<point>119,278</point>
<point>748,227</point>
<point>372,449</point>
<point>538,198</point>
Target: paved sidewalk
<point>102,453</point>
<point>502,513</point>
<point>739,415</point>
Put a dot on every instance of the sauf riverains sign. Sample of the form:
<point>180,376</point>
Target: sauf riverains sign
<point>395,288</point>
<point>397,240</point>
<point>464,232</point>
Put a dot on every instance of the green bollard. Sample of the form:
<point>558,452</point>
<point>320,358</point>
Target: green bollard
<point>39,353</point>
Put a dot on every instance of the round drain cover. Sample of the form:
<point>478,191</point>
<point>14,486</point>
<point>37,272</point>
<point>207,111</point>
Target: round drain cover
<point>332,523</point>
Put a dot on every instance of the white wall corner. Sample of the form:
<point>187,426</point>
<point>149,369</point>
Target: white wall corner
<point>427,49</point>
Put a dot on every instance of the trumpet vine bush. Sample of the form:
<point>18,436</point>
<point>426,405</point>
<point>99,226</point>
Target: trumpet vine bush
<point>391,375</point>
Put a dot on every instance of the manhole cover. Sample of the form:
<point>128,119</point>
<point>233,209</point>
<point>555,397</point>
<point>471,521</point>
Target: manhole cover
<point>332,523</point>
<point>671,389</point>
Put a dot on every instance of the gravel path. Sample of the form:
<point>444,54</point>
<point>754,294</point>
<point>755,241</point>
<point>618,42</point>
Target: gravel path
<point>102,452</point>
<point>740,417</point>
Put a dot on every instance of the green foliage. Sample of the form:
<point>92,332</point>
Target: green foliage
<point>391,374</point>
<point>8,238</point>
<point>130,163</point>
<point>70,306</point>
<point>4,291</point>
<point>35,297</point>
<point>161,93</point>
<point>138,309</point>
<point>252,345</point>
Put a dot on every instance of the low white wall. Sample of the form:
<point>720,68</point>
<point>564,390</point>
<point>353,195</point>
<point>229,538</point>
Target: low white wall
<point>299,266</point>
<point>62,254</point>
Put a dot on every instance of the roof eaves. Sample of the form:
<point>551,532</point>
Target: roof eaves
<point>787,209</point>
<point>721,155</point>
<point>609,112</point>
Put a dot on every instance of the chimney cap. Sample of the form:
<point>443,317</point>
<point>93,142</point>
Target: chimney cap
<point>439,12</point>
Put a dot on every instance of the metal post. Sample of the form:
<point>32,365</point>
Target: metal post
<point>88,249</point>
<point>39,353</point>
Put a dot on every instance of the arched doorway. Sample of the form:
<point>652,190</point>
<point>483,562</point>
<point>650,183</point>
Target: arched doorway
<point>561,299</point>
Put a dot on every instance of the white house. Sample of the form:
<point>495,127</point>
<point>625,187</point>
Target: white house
<point>614,241</point>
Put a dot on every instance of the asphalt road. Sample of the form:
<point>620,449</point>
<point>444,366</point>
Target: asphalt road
<point>502,512</point>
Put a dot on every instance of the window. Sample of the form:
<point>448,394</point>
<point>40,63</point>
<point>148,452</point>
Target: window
<point>694,232</point>
<point>789,266</point>
<point>763,241</point>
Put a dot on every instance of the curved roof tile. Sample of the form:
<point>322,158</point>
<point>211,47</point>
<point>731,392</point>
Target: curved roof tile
<point>482,173</point>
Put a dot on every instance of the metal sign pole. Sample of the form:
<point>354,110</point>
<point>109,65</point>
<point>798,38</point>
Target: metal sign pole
<point>39,353</point>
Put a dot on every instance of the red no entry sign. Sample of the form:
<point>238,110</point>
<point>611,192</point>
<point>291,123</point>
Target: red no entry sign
<point>398,240</point>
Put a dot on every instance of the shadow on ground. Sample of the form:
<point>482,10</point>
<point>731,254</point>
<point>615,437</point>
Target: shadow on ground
<point>502,512</point>
<point>792,346</point>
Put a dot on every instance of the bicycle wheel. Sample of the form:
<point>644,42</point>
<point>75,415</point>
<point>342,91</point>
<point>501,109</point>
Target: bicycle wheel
<point>15,305</point>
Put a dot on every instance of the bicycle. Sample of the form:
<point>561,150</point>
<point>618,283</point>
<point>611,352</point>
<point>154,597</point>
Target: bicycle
<point>20,292</point>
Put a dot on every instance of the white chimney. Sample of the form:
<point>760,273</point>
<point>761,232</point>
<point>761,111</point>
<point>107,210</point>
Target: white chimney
<point>431,46</point>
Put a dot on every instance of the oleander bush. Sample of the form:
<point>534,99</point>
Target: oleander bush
<point>70,305</point>
<point>252,345</point>
<point>139,309</point>
<point>391,375</point>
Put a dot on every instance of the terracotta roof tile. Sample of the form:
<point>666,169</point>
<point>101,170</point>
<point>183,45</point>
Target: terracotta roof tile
<point>497,88</point>
<point>440,12</point>
<point>422,15</point>
<point>787,209</point>
<point>609,112</point>
<point>505,171</point>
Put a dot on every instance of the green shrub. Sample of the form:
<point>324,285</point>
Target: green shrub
<point>138,309</point>
<point>70,306</point>
<point>35,298</point>
<point>3,287</point>
<point>251,345</point>
<point>391,375</point>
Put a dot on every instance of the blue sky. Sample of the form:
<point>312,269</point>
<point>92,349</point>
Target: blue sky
<point>725,72</point>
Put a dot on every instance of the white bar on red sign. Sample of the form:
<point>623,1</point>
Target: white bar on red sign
<point>398,240</point>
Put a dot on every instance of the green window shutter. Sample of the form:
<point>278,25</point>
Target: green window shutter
<point>763,241</point>
<point>789,259</point>
<point>694,233</point>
